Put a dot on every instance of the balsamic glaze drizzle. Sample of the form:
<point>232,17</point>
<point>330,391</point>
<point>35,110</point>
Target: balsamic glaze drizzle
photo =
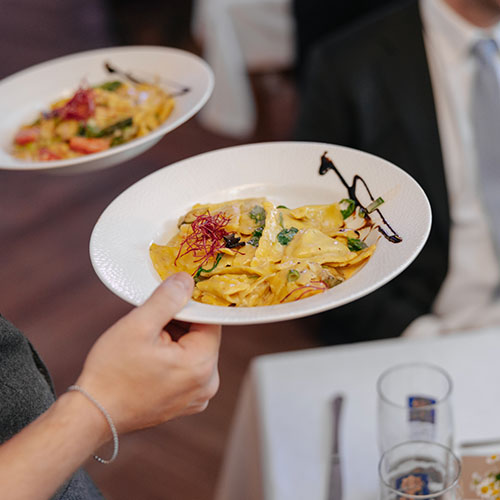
<point>389,234</point>
<point>180,88</point>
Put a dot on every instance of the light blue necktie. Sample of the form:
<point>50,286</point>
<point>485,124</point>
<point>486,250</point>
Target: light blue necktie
<point>486,125</point>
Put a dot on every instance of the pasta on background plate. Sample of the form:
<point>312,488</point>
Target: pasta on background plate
<point>92,120</point>
<point>249,252</point>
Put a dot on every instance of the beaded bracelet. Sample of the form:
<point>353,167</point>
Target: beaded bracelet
<point>108,418</point>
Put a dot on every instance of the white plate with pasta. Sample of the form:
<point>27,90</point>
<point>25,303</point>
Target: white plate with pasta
<point>99,108</point>
<point>291,242</point>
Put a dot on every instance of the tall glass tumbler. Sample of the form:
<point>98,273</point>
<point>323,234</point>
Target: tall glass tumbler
<point>414,404</point>
<point>419,470</point>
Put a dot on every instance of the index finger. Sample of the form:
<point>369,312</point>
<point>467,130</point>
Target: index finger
<point>203,337</point>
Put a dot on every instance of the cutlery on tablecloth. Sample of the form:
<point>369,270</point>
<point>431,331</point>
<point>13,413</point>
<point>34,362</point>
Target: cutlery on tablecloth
<point>480,443</point>
<point>335,471</point>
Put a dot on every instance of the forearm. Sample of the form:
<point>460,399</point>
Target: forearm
<point>133,354</point>
<point>35,462</point>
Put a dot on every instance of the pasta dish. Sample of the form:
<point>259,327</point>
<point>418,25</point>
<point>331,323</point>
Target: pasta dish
<point>93,119</point>
<point>250,252</point>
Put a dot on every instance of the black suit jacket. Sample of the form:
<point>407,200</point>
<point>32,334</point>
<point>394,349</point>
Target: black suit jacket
<point>369,88</point>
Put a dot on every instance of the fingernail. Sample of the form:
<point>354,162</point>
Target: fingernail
<point>183,281</point>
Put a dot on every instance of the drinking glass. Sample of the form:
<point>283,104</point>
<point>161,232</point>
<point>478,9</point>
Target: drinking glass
<point>414,405</point>
<point>419,470</point>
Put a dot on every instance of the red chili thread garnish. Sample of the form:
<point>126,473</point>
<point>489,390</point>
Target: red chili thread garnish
<point>206,238</point>
<point>310,288</point>
<point>80,107</point>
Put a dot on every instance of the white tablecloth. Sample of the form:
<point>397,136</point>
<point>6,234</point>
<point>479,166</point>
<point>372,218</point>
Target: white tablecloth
<point>280,440</point>
<point>240,36</point>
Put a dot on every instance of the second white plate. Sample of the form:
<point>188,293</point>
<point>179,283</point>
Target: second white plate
<point>24,94</point>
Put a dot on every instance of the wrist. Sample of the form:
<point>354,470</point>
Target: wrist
<point>95,425</point>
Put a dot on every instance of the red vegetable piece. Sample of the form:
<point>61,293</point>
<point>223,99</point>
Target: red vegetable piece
<point>80,107</point>
<point>27,135</point>
<point>45,154</point>
<point>88,145</point>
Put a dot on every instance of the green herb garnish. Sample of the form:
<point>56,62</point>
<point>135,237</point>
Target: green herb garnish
<point>286,235</point>
<point>127,122</point>
<point>197,276</point>
<point>331,281</point>
<point>282,206</point>
<point>91,131</point>
<point>116,141</point>
<point>111,86</point>
<point>258,214</point>
<point>254,240</point>
<point>374,205</point>
<point>351,205</point>
<point>88,130</point>
<point>355,244</point>
<point>293,275</point>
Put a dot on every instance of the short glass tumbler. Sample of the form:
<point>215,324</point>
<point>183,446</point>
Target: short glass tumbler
<point>414,405</point>
<point>419,470</point>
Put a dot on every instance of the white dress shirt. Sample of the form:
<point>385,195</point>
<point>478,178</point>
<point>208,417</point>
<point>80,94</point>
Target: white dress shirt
<point>466,296</point>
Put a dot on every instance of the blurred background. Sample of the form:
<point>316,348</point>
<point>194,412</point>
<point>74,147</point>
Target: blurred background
<point>47,285</point>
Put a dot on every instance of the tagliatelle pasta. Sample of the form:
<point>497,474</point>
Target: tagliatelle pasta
<point>92,120</point>
<point>249,252</point>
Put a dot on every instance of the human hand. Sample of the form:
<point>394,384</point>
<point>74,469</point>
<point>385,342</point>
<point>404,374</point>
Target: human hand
<point>144,375</point>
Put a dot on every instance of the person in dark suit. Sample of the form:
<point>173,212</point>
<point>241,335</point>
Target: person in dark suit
<point>315,19</point>
<point>371,88</point>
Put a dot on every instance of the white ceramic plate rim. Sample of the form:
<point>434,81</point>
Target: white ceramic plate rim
<point>167,126</point>
<point>113,239</point>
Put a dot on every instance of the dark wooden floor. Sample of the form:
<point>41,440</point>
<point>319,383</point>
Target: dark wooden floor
<point>49,289</point>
